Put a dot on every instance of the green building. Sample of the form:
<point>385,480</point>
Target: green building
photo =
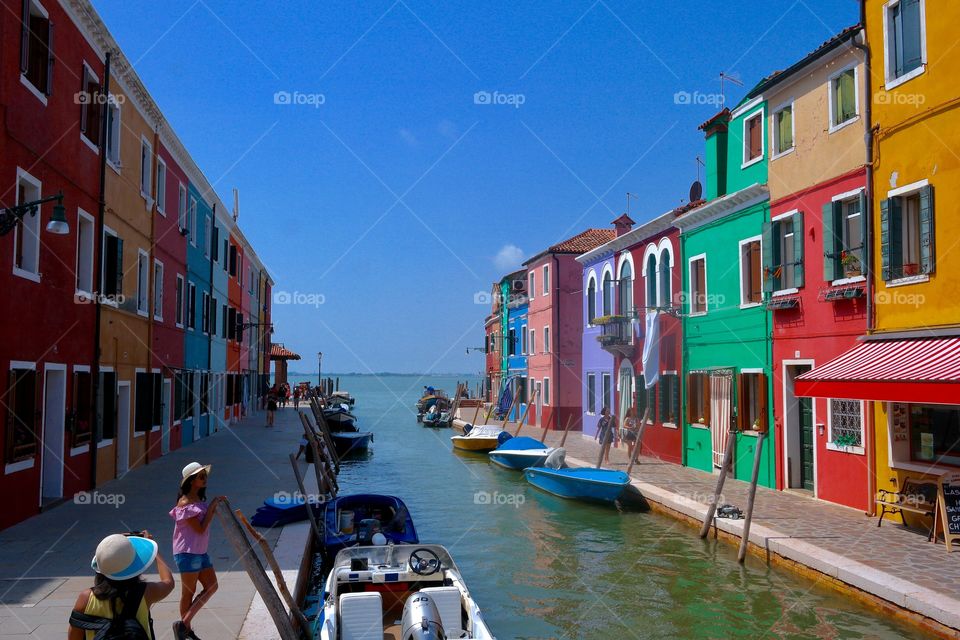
<point>727,350</point>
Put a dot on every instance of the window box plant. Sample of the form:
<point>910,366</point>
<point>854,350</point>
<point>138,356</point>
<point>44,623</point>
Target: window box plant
<point>851,264</point>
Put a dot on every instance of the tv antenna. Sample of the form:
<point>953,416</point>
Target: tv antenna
<point>723,96</point>
<point>631,195</point>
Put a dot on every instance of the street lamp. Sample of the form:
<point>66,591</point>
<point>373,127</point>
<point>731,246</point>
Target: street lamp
<point>11,216</point>
<point>319,362</point>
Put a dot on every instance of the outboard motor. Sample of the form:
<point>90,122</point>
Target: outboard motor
<point>421,619</point>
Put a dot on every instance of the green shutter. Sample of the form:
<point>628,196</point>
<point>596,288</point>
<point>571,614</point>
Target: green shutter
<point>891,253</point>
<point>119,274</point>
<point>798,233</point>
<point>927,235</point>
<point>866,246</point>
<point>831,242</point>
<point>767,251</point>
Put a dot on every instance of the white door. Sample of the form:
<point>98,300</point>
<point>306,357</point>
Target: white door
<point>54,415</point>
<point>539,393</point>
<point>123,428</point>
<point>165,401</point>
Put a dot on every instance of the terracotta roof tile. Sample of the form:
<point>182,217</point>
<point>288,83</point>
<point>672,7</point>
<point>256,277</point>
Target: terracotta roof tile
<point>584,241</point>
<point>279,352</point>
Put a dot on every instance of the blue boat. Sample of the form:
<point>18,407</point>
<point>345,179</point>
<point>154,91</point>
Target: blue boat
<point>347,442</point>
<point>521,452</point>
<point>592,485</point>
<point>282,509</point>
<point>353,520</point>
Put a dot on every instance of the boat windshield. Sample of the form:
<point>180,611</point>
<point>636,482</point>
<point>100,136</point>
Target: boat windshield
<point>390,556</point>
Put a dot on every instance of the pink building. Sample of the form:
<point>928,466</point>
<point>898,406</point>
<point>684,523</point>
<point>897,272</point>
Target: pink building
<point>555,324</point>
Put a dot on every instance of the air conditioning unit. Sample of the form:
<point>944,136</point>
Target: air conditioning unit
<point>518,285</point>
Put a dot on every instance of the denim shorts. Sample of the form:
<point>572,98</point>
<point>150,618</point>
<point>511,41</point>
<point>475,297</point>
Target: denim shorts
<point>192,562</point>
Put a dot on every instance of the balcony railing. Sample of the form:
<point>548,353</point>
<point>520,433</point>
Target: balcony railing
<point>616,336</point>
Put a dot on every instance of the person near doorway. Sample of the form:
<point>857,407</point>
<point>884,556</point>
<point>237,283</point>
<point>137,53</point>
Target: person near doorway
<point>630,429</point>
<point>191,536</point>
<point>119,590</point>
<point>606,432</point>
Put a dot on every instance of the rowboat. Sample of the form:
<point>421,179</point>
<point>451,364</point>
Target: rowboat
<point>481,438</point>
<point>355,519</point>
<point>344,397</point>
<point>347,442</point>
<point>403,591</point>
<point>591,485</point>
<point>339,419</point>
<point>520,453</point>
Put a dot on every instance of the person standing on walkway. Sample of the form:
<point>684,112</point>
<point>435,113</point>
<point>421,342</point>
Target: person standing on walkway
<point>296,397</point>
<point>191,535</point>
<point>606,432</point>
<point>271,405</point>
<point>119,590</point>
<point>630,430</point>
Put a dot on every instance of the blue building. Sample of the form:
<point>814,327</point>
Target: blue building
<point>197,303</point>
<point>517,345</point>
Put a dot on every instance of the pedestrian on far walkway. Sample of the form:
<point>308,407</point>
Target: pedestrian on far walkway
<point>271,405</point>
<point>296,397</point>
<point>606,432</point>
<point>191,536</point>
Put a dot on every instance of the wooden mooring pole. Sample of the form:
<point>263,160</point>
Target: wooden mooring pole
<point>727,463</point>
<point>744,543</point>
<point>636,445</point>
<point>526,413</point>
<point>303,491</point>
<point>566,430</point>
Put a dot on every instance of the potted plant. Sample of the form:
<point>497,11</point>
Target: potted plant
<point>701,421</point>
<point>911,269</point>
<point>851,264</point>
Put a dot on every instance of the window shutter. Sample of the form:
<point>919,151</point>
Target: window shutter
<point>50,59</point>
<point>25,37</point>
<point>740,406</point>
<point>215,244</point>
<point>119,273</point>
<point>706,395</point>
<point>798,234</point>
<point>831,242</point>
<point>910,36</point>
<point>762,400</point>
<point>766,251</point>
<point>690,417</point>
<point>927,234</point>
<point>675,397</point>
<point>11,403</point>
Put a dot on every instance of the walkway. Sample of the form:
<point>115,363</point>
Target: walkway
<point>45,561</point>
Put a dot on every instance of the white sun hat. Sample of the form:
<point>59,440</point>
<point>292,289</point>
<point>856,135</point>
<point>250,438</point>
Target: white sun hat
<point>194,468</point>
<point>121,557</point>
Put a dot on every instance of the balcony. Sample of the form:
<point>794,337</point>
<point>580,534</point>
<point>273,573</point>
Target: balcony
<point>616,336</point>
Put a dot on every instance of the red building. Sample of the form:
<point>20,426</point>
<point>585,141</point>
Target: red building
<point>50,139</point>
<point>235,321</point>
<point>493,346</point>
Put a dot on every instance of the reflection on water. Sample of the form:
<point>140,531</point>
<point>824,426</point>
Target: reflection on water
<point>544,567</point>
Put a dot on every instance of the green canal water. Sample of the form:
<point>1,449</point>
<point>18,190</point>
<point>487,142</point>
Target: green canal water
<point>543,567</point>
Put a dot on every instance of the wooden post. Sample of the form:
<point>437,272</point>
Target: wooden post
<point>727,463</point>
<point>303,491</point>
<point>506,417</point>
<point>317,457</point>
<point>251,562</point>
<point>277,572</point>
<point>636,445</point>
<point>477,412</point>
<point>324,430</point>
<point>745,541</point>
<point>566,430</point>
<point>526,413</point>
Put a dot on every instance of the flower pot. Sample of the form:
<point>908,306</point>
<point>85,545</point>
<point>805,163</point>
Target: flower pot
<point>911,269</point>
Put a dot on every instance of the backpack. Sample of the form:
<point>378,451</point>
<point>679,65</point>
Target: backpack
<point>123,626</point>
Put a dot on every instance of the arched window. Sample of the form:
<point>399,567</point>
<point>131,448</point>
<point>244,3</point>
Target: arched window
<point>626,289</point>
<point>651,281</point>
<point>666,271</point>
<point>591,299</point>
<point>607,293</point>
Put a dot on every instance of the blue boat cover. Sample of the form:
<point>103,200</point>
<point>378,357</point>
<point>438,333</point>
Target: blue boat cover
<point>521,443</point>
<point>588,475</point>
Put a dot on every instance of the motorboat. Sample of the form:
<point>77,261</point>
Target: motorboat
<point>339,419</point>
<point>481,438</point>
<point>579,483</point>
<point>397,592</point>
<point>521,452</point>
<point>348,442</point>
<point>351,520</point>
<point>432,417</point>
<point>342,397</point>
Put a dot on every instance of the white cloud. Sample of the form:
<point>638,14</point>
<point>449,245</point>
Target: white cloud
<point>407,136</point>
<point>508,258</point>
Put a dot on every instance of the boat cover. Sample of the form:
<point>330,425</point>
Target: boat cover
<point>521,443</point>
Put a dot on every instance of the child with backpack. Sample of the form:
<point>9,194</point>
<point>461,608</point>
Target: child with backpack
<point>118,605</point>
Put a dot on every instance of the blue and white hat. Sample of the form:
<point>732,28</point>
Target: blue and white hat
<point>121,557</point>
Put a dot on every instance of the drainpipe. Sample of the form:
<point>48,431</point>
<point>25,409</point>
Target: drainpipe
<point>868,140</point>
<point>98,273</point>
<point>213,223</point>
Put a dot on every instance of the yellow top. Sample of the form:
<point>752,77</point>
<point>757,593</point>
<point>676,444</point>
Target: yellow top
<point>97,607</point>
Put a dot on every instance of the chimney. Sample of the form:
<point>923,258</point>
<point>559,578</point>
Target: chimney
<point>715,131</point>
<point>623,224</point>
<point>236,204</point>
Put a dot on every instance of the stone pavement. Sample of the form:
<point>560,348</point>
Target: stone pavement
<point>45,561</point>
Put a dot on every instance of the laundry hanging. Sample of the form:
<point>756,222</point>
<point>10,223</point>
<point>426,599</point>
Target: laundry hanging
<point>651,349</point>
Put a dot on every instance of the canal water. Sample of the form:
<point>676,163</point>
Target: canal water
<point>543,567</point>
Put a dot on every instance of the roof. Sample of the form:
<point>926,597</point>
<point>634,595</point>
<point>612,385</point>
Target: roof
<point>717,208</point>
<point>580,243</point>
<point>279,352</point>
<point>639,234</point>
<point>723,113</point>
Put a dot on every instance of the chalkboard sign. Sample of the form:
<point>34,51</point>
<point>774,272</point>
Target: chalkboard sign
<point>948,495</point>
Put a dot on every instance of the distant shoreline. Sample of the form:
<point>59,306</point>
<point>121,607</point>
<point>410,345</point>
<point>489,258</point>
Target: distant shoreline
<point>298,374</point>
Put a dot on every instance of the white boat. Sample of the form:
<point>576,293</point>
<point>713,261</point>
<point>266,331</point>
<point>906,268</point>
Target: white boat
<point>485,437</point>
<point>397,592</point>
<point>520,453</point>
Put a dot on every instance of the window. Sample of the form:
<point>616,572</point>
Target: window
<point>625,289</point>
<point>607,400</point>
<point>591,299</point>
<point>698,398</point>
<point>592,393</point>
<point>546,391</point>
<point>223,310</point>
<point>148,402</point>
<point>533,342</point>
<point>23,418</point>
<point>26,235</point>
<point>645,400</point>
<point>80,420</point>
<point>85,238</point>
<point>142,274</point>
<point>905,46</point>
<point>907,232</point>
<point>90,107</point>
<point>213,315</point>
<point>513,341</point>
<point>651,282</point>
<point>843,233</point>
<point>113,132</point>
<point>531,287</point>
<point>146,168</point>
<point>546,339</point>
<point>182,208</point>
<point>751,277</point>
<point>526,336</point>
<point>546,279</point>
<point>207,235</point>
<point>36,47</point>
<point>666,274</point>
<point>782,252</point>
<point>846,423</point>
<point>934,432</point>
<point>157,290</point>
<point>753,138</point>
<point>783,130</point>
<point>180,305</point>
<point>112,286</point>
<point>233,260</point>
<point>669,398</point>
<point>215,242</point>
<point>161,186</point>
<point>607,293</point>
<point>843,98</point>
<point>698,285</point>
<point>205,312</point>
<point>192,305</point>
<point>192,219</point>
<point>232,324</point>
<point>752,401</point>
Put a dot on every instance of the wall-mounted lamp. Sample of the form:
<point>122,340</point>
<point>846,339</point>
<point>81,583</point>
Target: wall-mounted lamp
<point>11,216</point>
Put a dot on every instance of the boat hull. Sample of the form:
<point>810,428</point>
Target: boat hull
<point>519,460</point>
<point>592,485</point>
<point>474,444</point>
<point>351,442</point>
<point>367,505</point>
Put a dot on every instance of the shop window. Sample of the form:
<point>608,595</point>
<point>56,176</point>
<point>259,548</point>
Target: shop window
<point>752,401</point>
<point>843,98</point>
<point>907,234</point>
<point>903,22</point>
<point>669,398</point>
<point>783,130</point>
<point>751,278</point>
<point>698,285</point>
<point>782,252</point>
<point>753,138</point>
<point>36,47</point>
<point>80,419</point>
<point>592,393</point>
<point>23,415</point>
<point>698,398</point>
<point>843,232</point>
<point>846,423</point>
<point>934,433</point>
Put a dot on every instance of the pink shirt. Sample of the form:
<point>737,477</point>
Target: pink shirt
<point>186,539</point>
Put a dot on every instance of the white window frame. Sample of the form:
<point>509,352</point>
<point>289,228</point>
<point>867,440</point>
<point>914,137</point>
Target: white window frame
<point>591,275</point>
<point>158,290</point>
<point>35,220</point>
<point>94,145</point>
<point>546,338</point>
<point>775,131</point>
<point>608,268</point>
<point>144,276</point>
<point>192,219</point>
<point>863,435</point>
<point>36,91</point>
<point>706,306</point>
<point>744,304</point>
<point>179,322</point>
<point>533,342</point>
<point>833,128</point>
<point>786,215</point>
<point>146,170</point>
<point>161,187</point>
<point>112,301</point>
<point>546,279</point>
<point>591,386</point>
<point>844,197</point>
<point>182,206</point>
<point>545,391</point>
<point>531,284</point>
<point>750,162</point>
<point>113,141</point>
<point>906,190</point>
<point>891,81</point>
<point>86,217</point>
<point>525,340</point>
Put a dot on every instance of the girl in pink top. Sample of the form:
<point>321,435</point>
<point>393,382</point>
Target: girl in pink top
<point>191,535</point>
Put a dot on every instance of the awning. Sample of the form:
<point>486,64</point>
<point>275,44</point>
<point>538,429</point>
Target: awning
<point>907,370</point>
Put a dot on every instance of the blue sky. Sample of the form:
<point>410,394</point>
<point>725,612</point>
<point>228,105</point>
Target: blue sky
<point>386,192</point>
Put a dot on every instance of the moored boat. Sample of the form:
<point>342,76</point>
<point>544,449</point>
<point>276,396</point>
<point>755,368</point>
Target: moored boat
<point>354,519</point>
<point>344,397</point>
<point>339,419</point>
<point>347,442</point>
<point>520,453</point>
<point>580,483</point>
<point>481,438</point>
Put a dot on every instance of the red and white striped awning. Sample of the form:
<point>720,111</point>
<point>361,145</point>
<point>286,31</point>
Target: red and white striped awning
<point>907,370</point>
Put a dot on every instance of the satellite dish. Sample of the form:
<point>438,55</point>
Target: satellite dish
<point>696,191</point>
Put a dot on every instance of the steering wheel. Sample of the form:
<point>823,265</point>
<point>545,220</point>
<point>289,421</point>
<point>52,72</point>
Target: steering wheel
<point>424,562</point>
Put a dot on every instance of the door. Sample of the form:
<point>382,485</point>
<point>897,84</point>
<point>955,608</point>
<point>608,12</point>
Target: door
<point>123,428</point>
<point>54,416</point>
<point>165,402</point>
<point>805,406</point>
<point>539,392</point>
